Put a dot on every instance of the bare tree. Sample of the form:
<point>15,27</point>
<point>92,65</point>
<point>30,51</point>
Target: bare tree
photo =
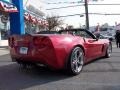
<point>53,22</point>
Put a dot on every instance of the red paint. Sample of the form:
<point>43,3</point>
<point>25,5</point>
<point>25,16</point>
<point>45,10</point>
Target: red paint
<point>54,50</point>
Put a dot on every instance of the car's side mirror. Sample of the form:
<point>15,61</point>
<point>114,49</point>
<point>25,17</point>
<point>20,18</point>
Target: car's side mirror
<point>92,40</point>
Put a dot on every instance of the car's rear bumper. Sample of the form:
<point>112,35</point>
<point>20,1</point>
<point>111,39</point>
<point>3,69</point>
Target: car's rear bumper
<point>43,56</point>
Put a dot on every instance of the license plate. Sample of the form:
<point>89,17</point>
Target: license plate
<point>23,50</point>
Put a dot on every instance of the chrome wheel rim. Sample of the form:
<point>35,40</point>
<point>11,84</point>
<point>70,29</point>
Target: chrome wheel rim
<point>77,60</point>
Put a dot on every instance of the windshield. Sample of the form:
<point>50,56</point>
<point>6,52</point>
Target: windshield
<point>78,32</point>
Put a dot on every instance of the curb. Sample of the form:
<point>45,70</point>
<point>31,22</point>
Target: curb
<point>4,47</point>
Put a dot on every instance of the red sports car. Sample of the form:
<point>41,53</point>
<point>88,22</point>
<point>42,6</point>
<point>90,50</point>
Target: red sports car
<point>66,49</point>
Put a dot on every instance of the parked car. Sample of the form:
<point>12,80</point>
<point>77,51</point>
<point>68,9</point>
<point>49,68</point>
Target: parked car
<point>101,36</point>
<point>68,49</point>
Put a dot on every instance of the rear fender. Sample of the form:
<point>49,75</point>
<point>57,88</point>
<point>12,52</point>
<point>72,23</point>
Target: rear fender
<point>65,46</point>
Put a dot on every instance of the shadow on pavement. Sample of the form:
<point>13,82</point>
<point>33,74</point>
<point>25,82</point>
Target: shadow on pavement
<point>12,77</point>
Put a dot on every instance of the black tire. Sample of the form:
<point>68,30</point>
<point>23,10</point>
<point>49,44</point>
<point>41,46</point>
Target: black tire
<point>76,61</point>
<point>108,51</point>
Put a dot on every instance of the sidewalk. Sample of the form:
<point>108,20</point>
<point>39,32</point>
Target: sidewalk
<point>4,50</point>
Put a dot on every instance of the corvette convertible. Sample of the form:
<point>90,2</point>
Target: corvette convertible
<point>66,49</point>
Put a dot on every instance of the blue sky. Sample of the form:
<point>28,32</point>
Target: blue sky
<point>77,20</point>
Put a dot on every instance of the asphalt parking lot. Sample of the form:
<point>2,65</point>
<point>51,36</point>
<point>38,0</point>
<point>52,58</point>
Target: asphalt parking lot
<point>102,74</point>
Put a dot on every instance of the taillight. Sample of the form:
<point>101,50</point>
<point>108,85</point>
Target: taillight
<point>41,42</point>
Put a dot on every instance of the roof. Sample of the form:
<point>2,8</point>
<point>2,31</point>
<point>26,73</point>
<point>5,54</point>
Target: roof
<point>7,7</point>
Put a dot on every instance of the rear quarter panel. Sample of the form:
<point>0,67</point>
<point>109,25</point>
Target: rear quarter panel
<point>63,46</point>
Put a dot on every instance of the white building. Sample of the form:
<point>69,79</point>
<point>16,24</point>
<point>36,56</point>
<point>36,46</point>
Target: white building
<point>30,8</point>
<point>5,8</point>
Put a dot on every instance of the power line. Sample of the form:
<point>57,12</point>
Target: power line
<point>65,7</point>
<point>105,13</point>
<point>82,14</point>
<point>82,1</point>
<point>78,6</point>
<point>105,4</point>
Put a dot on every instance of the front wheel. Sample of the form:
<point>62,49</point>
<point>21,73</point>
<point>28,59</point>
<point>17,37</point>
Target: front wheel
<point>76,61</point>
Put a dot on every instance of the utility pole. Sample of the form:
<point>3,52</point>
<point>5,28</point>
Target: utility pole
<point>86,14</point>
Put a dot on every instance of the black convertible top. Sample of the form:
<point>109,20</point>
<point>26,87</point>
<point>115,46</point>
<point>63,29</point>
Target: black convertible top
<point>72,30</point>
<point>47,32</point>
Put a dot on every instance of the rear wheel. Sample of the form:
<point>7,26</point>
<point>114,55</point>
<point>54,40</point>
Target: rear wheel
<point>76,61</point>
<point>108,51</point>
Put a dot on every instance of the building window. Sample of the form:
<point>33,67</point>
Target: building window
<point>4,26</point>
